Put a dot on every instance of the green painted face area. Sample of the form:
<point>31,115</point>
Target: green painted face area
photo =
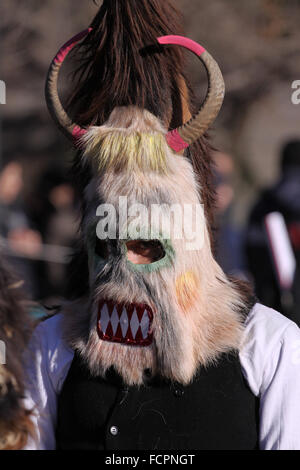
<point>142,255</point>
<point>158,254</point>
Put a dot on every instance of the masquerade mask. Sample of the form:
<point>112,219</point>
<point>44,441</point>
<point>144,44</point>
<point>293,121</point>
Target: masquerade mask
<point>158,300</point>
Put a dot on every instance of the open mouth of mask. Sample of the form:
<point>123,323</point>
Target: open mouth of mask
<point>125,323</point>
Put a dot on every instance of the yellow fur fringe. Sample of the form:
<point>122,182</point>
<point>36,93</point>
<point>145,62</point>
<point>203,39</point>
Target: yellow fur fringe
<point>120,150</point>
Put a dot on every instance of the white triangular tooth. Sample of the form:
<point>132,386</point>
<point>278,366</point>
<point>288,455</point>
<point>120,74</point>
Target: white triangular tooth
<point>114,320</point>
<point>104,318</point>
<point>134,323</point>
<point>145,324</point>
<point>124,322</point>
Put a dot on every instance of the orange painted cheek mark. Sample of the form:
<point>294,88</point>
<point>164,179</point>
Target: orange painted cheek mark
<point>187,287</point>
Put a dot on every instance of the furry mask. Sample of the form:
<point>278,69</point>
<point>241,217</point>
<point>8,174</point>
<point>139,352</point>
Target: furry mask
<point>157,299</point>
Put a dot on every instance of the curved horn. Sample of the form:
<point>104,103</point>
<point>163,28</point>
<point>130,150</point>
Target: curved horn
<point>59,115</point>
<point>185,135</point>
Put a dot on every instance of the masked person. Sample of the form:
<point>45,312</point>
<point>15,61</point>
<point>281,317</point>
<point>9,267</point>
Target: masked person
<point>157,349</point>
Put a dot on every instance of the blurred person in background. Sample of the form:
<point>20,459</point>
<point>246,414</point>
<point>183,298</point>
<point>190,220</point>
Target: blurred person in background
<point>229,237</point>
<point>22,242</point>
<point>283,197</point>
<point>53,212</point>
<point>15,328</point>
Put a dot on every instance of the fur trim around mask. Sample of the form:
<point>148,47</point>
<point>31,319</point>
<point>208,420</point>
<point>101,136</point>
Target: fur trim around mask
<point>199,339</point>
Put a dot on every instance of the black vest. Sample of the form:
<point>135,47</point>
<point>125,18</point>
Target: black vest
<point>216,411</point>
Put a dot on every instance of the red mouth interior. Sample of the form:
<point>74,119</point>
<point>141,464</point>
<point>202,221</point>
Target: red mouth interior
<point>125,323</point>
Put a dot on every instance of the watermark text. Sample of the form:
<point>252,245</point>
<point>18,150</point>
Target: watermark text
<point>295,98</point>
<point>2,92</point>
<point>2,353</point>
<point>136,221</point>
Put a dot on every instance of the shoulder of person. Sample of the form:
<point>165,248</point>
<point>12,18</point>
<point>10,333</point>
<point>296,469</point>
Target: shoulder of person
<point>269,337</point>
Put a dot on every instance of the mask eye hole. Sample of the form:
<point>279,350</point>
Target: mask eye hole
<point>144,251</point>
<point>101,248</point>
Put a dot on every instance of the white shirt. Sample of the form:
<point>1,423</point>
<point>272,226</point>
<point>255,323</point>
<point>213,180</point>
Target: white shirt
<point>270,360</point>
